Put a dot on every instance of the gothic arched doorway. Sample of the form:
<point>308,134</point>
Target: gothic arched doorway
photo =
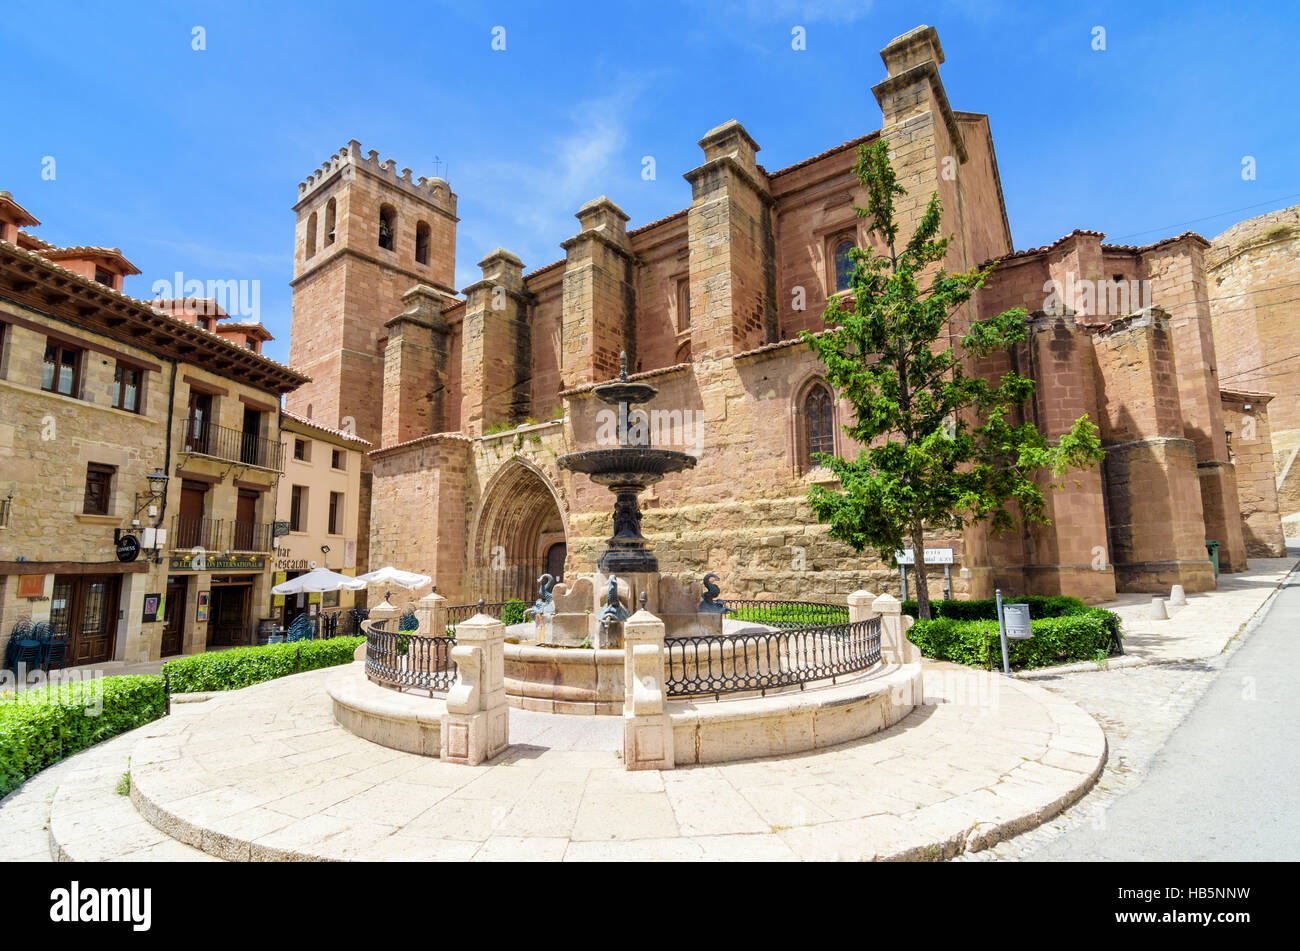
<point>518,513</point>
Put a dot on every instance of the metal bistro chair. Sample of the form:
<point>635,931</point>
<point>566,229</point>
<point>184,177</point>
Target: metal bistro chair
<point>21,631</point>
<point>55,646</point>
<point>28,646</point>
<point>301,629</point>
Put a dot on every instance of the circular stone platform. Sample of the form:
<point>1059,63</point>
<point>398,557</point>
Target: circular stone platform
<point>265,773</point>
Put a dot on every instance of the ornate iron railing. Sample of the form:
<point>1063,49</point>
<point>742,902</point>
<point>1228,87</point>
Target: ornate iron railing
<point>193,531</point>
<point>463,612</point>
<point>232,445</point>
<point>250,536</point>
<point>407,660</point>
<point>759,660</point>
<point>786,614</point>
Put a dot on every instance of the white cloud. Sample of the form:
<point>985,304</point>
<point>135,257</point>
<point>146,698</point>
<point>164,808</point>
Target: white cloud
<point>526,205</point>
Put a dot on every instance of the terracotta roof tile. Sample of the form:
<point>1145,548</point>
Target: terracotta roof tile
<point>303,421</point>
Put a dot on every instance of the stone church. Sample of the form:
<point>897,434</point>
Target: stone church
<point>471,397</point>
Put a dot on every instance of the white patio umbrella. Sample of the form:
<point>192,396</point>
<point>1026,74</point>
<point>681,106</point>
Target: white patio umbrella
<point>391,575</point>
<point>319,579</point>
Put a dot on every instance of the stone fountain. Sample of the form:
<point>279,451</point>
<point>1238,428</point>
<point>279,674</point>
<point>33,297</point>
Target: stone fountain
<point>591,611</point>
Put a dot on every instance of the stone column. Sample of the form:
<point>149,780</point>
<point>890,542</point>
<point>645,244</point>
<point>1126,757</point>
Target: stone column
<point>895,648</point>
<point>731,247</point>
<point>476,726</point>
<point>495,346</point>
<point>1069,553</point>
<point>1153,492</point>
<point>415,367</point>
<point>647,731</point>
<point>597,314</point>
<point>431,611</point>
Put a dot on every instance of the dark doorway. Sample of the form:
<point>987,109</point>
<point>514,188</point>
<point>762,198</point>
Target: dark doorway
<point>252,433</point>
<point>555,556</point>
<point>174,616</point>
<point>84,610</point>
<point>228,622</point>
<point>198,423</point>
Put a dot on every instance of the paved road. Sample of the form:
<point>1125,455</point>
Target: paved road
<point>1226,786</point>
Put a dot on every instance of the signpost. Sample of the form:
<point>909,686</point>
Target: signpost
<point>932,556</point>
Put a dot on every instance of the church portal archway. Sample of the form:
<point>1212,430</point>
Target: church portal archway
<point>516,530</point>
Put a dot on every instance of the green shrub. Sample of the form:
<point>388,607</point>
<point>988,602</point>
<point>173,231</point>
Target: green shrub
<point>986,609</point>
<point>1062,639</point>
<point>243,666</point>
<point>793,615</point>
<point>41,726</point>
<point>513,612</point>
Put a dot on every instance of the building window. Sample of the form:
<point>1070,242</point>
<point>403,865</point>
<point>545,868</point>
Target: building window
<point>99,489</point>
<point>206,323</point>
<point>338,459</point>
<point>336,513</point>
<point>818,423</point>
<point>331,210</point>
<point>683,304</point>
<point>62,371</point>
<point>104,277</point>
<point>421,243</point>
<point>843,264</point>
<point>388,227</point>
<point>302,450</point>
<point>198,424</point>
<point>311,234</point>
<point>127,392</point>
<point>298,509</point>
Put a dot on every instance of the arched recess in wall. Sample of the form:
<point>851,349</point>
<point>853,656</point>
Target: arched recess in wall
<point>519,507</point>
<point>331,214</point>
<point>816,423</point>
<point>388,227</point>
<point>311,234</point>
<point>421,242</point>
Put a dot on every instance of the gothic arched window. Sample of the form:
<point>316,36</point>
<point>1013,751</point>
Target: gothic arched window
<point>843,264</point>
<point>311,234</point>
<point>818,423</point>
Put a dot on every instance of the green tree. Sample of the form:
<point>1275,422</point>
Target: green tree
<point>943,445</point>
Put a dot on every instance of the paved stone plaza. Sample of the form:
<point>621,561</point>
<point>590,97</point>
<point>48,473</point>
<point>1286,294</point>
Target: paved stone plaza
<point>264,773</point>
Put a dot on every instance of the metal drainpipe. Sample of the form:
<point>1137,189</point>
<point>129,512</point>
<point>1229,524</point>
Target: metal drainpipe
<point>167,455</point>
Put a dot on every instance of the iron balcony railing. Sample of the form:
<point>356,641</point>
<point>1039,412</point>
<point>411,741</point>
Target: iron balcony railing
<point>232,445</point>
<point>251,536</point>
<point>192,531</point>
<point>406,660</point>
<point>758,659</point>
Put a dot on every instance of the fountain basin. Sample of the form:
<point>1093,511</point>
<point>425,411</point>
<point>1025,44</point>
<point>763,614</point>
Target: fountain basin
<point>627,465</point>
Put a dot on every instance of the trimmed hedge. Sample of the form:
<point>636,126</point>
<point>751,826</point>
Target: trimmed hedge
<point>512,612</point>
<point>244,666</point>
<point>793,615</point>
<point>41,726</point>
<point>1079,635</point>
<point>986,609</point>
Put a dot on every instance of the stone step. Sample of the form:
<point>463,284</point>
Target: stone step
<point>92,819</point>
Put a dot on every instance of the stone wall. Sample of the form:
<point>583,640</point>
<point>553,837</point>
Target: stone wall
<point>1248,418</point>
<point>1254,269</point>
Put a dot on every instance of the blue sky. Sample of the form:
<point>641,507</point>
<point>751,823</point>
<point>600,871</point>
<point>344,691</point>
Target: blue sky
<point>189,160</point>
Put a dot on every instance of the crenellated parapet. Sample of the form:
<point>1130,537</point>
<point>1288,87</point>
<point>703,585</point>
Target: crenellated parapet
<point>433,190</point>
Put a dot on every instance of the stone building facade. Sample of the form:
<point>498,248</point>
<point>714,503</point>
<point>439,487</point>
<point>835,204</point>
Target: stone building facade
<point>118,418</point>
<point>1254,292</point>
<point>481,393</point>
